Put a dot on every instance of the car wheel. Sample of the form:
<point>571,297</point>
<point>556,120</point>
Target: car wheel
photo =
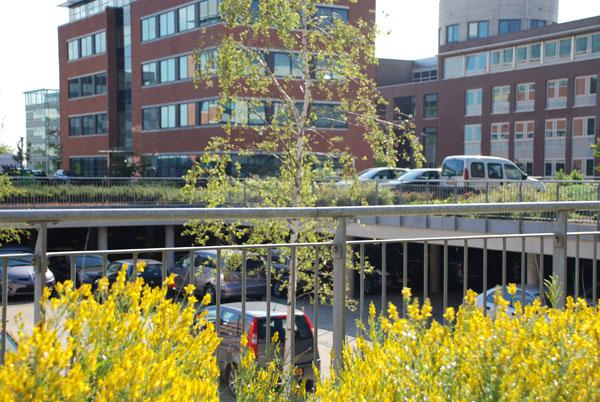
<point>230,376</point>
<point>210,290</point>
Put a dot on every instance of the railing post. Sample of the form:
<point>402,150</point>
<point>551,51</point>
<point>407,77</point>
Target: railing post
<point>41,264</point>
<point>559,259</point>
<point>339,293</point>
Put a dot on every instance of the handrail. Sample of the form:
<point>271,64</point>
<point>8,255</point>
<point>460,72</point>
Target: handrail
<point>36,216</point>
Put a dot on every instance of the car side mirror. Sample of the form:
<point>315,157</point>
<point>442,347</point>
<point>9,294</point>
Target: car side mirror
<point>525,176</point>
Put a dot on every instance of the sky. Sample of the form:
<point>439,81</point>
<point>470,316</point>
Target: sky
<point>29,45</point>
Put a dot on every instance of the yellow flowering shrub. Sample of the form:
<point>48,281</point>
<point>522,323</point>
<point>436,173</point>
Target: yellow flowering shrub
<point>125,342</point>
<point>539,354</point>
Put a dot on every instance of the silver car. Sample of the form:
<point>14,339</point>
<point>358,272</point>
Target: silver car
<point>21,273</point>
<point>256,324</point>
<point>205,275</point>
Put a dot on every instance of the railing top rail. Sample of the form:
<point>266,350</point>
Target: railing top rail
<point>186,214</point>
<point>15,255</point>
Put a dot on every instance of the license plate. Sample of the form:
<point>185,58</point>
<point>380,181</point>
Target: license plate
<point>451,182</point>
<point>298,371</point>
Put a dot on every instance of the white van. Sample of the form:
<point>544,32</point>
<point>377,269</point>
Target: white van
<point>467,171</point>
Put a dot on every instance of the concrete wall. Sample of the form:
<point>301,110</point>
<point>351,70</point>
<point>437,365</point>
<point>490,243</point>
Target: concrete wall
<point>464,11</point>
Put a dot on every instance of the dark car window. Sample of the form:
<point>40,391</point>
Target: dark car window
<point>453,167</point>
<point>495,171</point>
<point>302,331</point>
<point>206,260</point>
<point>153,269</point>
<point>513,172</point>
<point>114,268</point>
<point>434,175</point>
<point>477,170</point>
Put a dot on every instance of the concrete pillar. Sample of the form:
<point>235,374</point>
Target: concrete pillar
<point>170,242</point>
<point>102,234</point>
<point>533,267</point>
<point>435,268</point>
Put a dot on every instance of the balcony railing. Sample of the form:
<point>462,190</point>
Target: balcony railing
<point>559,243</point>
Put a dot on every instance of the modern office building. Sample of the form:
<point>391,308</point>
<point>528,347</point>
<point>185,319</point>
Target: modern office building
<point>126,74</point>
<point>508,81</point>
<point>42,125</point>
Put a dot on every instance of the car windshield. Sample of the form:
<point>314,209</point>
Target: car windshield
<point>367,174</point>
<point>11,346</point>
<point>278,325</point>
<point>453,167</point>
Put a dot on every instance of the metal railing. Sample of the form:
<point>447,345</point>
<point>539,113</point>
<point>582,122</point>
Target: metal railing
<point>340,248</point>
<point>40,192</point>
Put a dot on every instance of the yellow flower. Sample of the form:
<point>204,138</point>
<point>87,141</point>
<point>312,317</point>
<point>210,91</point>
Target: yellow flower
<point>189,289</point>
<point>244,340</point>
<point>512,289</point>
<point>141,266</point>
<point>406,293</point>
<point>206,299</point>
<point>449,314</point>
<point>102,284</point>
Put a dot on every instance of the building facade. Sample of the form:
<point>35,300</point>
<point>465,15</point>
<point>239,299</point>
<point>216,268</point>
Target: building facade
<point>127,70</point>
<point>42,113</point>
<point>527,95</point>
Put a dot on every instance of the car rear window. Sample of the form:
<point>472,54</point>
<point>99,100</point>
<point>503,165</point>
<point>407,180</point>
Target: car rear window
<point>278,325</point>
<point>453,167</point>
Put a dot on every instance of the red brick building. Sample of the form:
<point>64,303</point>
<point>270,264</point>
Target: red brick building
<point>126,79</point>
<point>525,94</point>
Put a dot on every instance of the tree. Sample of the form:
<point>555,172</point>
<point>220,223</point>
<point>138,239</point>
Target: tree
<point>275,112</point>
<point>5,149</point>
<point>22,155</point>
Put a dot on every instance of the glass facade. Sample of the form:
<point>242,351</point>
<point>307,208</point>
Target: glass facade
<point>90,8</point>
<point>88,166</point>
<point>42,127</point>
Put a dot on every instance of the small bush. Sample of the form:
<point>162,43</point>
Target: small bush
<point>539,354</point>
<point>126,343</point>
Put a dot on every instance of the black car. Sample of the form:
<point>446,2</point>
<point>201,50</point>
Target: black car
<point>152,272</point>
<point>88,268</point>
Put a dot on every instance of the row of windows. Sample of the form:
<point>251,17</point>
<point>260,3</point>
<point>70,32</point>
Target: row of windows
<point>88,166</point>
<point>85,10</point>
<point>86,46</point>
<point>87,86</point>
<point>207,12</point>
<point>529,55</point>
<point>206,112</point>
<point>168,70</point>
<point>426,75</point>
<point>481,29</point>
<point>555,132</point>
<point>406,105</point>
<point>556,96</point>
<point>92,124</point>
<point>282,64</point>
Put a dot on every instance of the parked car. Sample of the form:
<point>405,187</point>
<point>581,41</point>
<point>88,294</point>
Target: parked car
<point>477,172</point>
<point>531,293</point>
<point>205,275</point>
<point>417,179</point>
<point>21,272</point>
<point>256,328</point>
<point>152,273</point>
<point>88,268</point>
<point>382,175</point>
